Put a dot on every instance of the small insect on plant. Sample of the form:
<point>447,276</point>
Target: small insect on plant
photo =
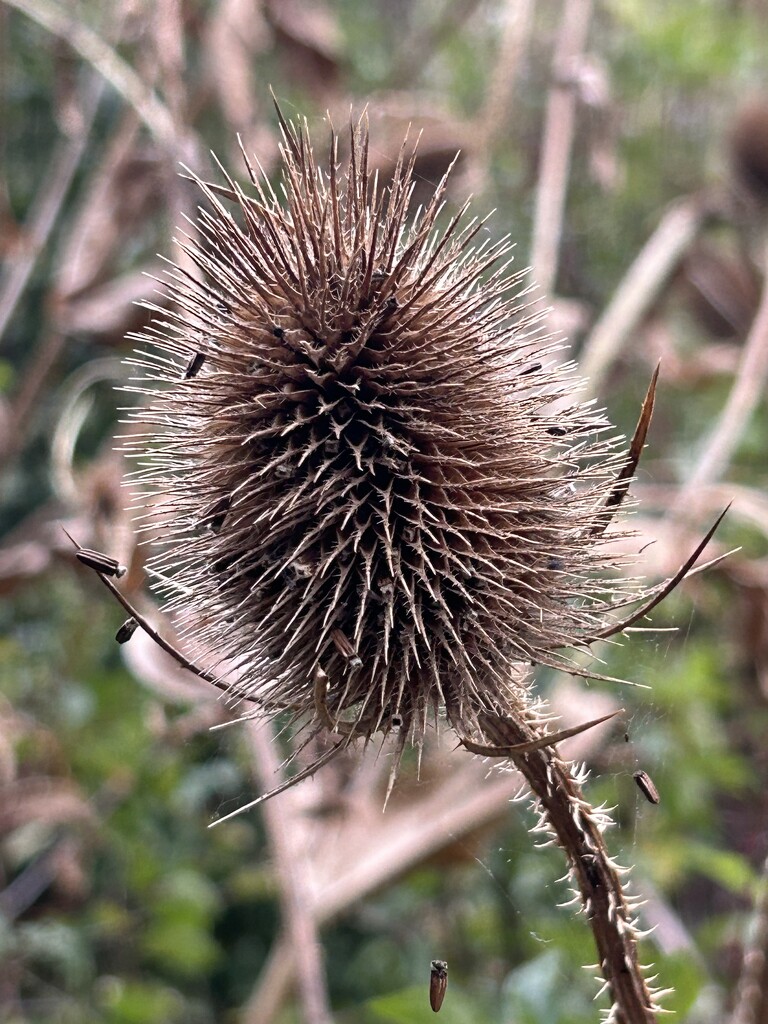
<point>126,631</point>
<point>438,983</point>
<point>646,786</point>
<point>194,365</point>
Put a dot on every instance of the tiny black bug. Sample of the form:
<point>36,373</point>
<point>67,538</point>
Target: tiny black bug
<point>126,631</point>
<point>194,365</point>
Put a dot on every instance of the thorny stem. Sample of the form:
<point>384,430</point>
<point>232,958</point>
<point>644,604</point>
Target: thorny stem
<point>577,830</point>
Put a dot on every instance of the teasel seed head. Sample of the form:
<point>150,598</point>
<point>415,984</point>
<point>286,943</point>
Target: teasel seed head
<point>380,476</point>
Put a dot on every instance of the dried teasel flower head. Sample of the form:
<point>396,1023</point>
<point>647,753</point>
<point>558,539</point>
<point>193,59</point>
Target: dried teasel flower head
<point>381,496</point>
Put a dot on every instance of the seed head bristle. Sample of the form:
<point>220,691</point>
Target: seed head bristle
<point>379,470</point>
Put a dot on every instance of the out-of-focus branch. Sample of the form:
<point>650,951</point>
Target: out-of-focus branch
<point>752,992</point>
<point>640,287</point>
<point>748,388</point>
<point>370,856</point>
<point>493,118</point>
<point>169,50</point>
<point>288,841</point>
<point>274,982</point>
<point>104,59</point>
<point>47,205</point>
<point>422,44</point>
<point>559,122</point>
<point>368,852</point>
<point>35,375</point>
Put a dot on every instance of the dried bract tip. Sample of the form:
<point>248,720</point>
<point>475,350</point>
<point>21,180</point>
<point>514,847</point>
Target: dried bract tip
<point>102,563</point>
<point>126,631</point>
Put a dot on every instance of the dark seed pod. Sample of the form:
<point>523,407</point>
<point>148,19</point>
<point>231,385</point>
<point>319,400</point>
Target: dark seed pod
<point>126,631</point>
<point>194,365</point>
<point>646,787</point>
<point>396,478</point>
<point>438,983</point>
<point>101,563</point>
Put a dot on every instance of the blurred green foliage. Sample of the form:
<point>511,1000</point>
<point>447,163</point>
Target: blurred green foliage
<point>175,920</point>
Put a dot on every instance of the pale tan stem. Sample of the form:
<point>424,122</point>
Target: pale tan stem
<point>752,992</point>
<point>288,840</point>
<point>494,117</point>
<point>748,388</point>
<point>275,980</point>
<point>639,288</point>
<point>559,123</point>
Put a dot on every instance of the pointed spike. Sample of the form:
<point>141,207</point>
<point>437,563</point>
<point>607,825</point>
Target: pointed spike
<point>288,784</point>
<point>538,744</point>
<point>621,484</point>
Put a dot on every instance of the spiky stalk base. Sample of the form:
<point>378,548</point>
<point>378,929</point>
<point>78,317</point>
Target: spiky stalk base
<point>570,820</point>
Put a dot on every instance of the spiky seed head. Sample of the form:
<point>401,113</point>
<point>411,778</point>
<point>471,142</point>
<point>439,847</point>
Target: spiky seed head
<point>379,475</point>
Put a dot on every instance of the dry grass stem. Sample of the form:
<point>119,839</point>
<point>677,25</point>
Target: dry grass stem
<point>108,63</point>
<point>559,125</point>
<point>56,181</point>
<point>748,389</point>
<point>292,866</point>
<point>640,287</point>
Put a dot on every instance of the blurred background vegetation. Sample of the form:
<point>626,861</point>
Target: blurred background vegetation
<point>624,145</point>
